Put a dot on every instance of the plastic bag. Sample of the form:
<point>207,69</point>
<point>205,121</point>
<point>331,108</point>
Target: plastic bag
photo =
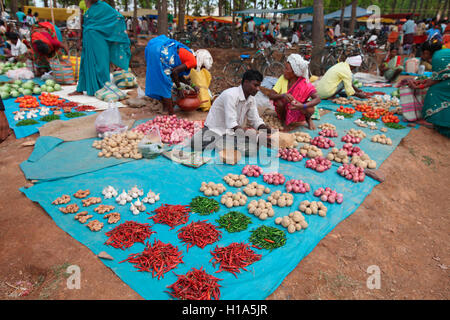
<point>109,122</point>
<point>19,74</point>
<point>151,146</point>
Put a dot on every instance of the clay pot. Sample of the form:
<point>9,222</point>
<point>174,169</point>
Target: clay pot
<point>190,102</point>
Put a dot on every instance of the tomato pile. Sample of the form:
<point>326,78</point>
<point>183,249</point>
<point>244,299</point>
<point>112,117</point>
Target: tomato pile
<point>371,115</point>
<point>363,108</point>
<point>27,102</point>
<point>346,110</point>
<point>390,118</point>
<point>48,99</point>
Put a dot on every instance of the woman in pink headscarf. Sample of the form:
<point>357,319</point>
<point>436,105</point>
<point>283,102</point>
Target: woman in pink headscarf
<point>293,96</point>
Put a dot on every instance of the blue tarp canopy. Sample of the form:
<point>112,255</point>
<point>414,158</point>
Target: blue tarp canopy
<point>360,12</point>
<point>283,11</point>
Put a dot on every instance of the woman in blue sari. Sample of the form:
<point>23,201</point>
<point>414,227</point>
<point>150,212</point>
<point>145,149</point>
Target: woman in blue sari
<point>105,41</point>
<point>168,61</point>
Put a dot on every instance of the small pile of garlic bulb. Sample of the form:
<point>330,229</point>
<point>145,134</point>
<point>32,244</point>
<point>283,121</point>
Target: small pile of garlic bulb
<point>109,192</point>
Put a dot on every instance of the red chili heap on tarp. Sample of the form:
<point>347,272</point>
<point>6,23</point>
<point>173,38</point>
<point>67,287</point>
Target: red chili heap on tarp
<point>199,234</point>
<point>84,108</point>
<point>172,215</point>
<point>233,257</point>
<point>68,104</point>
<point>126,234</point>
<point>196,285</point>
<point>159,258</point>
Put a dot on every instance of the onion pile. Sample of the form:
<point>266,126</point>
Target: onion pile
<point>274,178</point>
<point>351,150</point>
<point>290,155</point>
<point>252,171</point>
<point>173,130</point>
<point>297,186</point>
<point>322,142</point>
<point>320,164</point>
<point>329,195</point>
<point>351,139</point>
<point>328,133</point>
<point>351,172</point>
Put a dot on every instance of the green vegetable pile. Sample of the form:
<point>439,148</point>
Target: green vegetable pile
<point>234,221</point>
<point>268,237</point>
<point>26,88</point>
<point>365,119</point>
<point>26,122</point>
<point>393,125</point>
<point>346,115</point>
<point>204,206</point>
<point>50,117</point>
<point>74,114</point>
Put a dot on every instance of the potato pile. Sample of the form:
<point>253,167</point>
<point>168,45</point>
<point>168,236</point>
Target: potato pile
<point>337,155</point>
<point>212,189</point>
<point>302,137</point>
<point>95,225</point>
<point>233,200</point>
<point>310,151</point>
<point>255,189</point>
<point>261,209</point>
<point>313,207</point>
<point>65,198</point>
<point>381,139</point>
<point>83,216</point>
<point>327,126</point>
<point>358,133</point>
<point>295,221</point>
<point>89,201</point>
<point>364,161</point>
<point>272,121</point>
<point>280,199</point>
<point>236,180</point>
<point>103,208</point>
<point>120,145</point>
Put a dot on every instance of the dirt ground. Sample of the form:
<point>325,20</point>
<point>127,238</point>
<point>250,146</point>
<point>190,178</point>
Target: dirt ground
<point>402,227</point>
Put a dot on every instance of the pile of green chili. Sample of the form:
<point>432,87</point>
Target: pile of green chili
<point>268,237</point>
<point>234,221</point>
<point>50,117</point>
<point>26,122</point>
<point>204,206</point>
<point>393,125</point>
<point>345,115</point>
<point>74,114</point>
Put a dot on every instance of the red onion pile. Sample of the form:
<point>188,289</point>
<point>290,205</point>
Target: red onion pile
<point>173,130</point>
<point>329,195</point>
<point>320,164</point>
<point>328,133</point>
<point>350,172</point>
<point>322,142</point>
<point>274,178</point>
<point>350,139</point>
<point>252,171</point>
<point>290,154</point>
<point>297,186</point>
<point>351,150</point>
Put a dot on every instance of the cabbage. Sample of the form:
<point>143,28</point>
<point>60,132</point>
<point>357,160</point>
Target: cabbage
<point>57,87</point>
<point>4,95</point>
<point>18,82</point>
<point>37,90</point>
<point>15,93</point>
<point>50,83</point>
<point>27,92</point>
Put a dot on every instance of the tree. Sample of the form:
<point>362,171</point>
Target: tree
<point>163,25</point>
<point>353,18</point>
<point>341,21</point>
<point>318,38</point>
<point>181,10</point>
<point>135,21</point>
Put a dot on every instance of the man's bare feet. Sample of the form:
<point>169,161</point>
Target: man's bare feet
<point>75,93</point>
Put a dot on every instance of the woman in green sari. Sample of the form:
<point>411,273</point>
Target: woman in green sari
<point>105,41</point>
<point>436,106</point>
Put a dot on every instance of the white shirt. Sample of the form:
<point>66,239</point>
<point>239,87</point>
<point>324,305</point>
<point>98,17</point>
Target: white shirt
<point>337,30</point>
<point>18,49</point>
<point>129,24</point>
<point>231,109</point>
<point>251,26</point>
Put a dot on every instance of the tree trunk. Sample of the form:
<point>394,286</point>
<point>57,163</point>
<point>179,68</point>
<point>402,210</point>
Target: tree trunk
<point>413,6</point>
<point>353,19</point>
<point>135,21</point>
<point>162,17</point>
<point>175,7</point>
<point>441,9</point>
<point>242,7</point>
<point>126,5</point>
<point>233,26</point>
<point>394,5</point>
<point>111,3</point>
<point>220,7</point>
<point>187,8</point>
<point>341,20</point>
<point>181,10</point>
<point>275,6</point>
<point>318,39</point>
<point>13,9</point>
<point>45,3</point>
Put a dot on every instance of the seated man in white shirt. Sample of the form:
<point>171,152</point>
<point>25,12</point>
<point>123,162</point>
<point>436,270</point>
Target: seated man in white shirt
<point>231,111</point>
<point>18,48</point>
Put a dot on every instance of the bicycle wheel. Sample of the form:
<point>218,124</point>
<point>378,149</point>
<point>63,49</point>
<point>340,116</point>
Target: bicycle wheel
<point>369,65</point>
<point>326,63</point>
<point>274,69</point>
<point>233,72</point>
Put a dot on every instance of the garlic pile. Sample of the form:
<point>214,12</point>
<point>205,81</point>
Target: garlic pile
<point>356,133</point>
<point>137,207</point>
<point>236,180</point>
<point>363,161</point>
<point>20,115</point>
<point>135,192</point>
<point>361,123</point>
<point>233,200</point>
<point>123,198</point>
<point>44,111</point>
<point>313,207</point>
<point>120,145</point>
<point>151,197</point>
<point>255,189</point>
<point>261,209</point>
<point>109,192</point>
<point>280,199</point>
<point>327,125</point>
<point>32,114</point>
<point>338,156</point>
<point>381,139</point>
<point>295,221</point>
<point>62,200</point>
<point>302,137</point>
<point>212,189</point>
<point>310,151</point>
<point>338,117</point>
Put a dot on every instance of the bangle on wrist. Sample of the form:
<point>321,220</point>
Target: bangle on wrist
<point>305,106</point>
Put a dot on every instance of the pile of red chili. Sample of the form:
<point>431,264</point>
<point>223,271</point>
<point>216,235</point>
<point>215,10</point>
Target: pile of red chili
<point>172,215</point>
<point>84,108</point>
<point>196,285</point>
<point>199,234</point>
<point>158,258</point>
<point>68,104</point>
<point>126,234</point>
<point>233,257</point>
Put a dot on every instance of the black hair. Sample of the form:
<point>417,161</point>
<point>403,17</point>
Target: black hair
<point>431,46</point>
<point>29,11</point>
<point>393,48</point>
<point>251,75</point>
<point>12,36</point>
<point>41,47</point>
<point>2,23</point>
<point>36,14</point>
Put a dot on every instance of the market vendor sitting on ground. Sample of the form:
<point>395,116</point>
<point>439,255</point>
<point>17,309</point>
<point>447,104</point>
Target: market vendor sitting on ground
<point>392,66</point>
<point>18,48</point>
<point>292,91</point>
<point>340,78</point>
<point>231,111</point>
<point>168,62</point>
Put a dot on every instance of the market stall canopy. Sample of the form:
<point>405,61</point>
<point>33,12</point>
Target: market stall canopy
<point>360,12</point>
<point>208,18</point>
<point>283,11</point>
<point>140,13</point>
<point>398,15</point>
<point>382,20</point>
<point>60,14</point>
